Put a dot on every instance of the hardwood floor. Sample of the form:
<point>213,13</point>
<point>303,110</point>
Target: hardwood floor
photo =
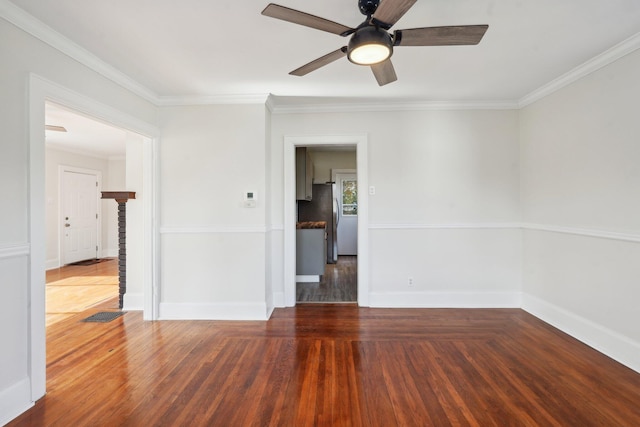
<point>73,289</point>
<point>331,365</point>
<point>339,283</point>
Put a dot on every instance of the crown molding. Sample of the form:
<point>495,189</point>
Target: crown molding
<point>605,58</point>
<point>46,34</point>
<point>382,105</point>
<point>166,101</point>
<point>43,32</point>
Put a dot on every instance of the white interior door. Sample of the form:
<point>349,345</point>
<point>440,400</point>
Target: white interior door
<point>347,188</point>
<point>79,216</point>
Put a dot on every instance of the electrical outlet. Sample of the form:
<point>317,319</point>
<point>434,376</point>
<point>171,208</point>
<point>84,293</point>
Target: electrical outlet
<point>410,281</point>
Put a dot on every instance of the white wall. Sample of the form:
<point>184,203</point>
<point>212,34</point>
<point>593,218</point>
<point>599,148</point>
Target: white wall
<point>580,181</point>
<point>446,208</point>
<point>116,181</point>
<point>324,161</point>
<point>213,248</point>
<point>22,364</point>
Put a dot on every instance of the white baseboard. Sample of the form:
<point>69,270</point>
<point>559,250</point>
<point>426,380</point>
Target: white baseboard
<point>445,299</point>
<point>15,400</point>
<point>50,264</point>
<point>307,279</point>
<point>133,302</point>
<point>109,253</point>
<point>606,341</point>
<point>278,299</point>
<point>224,311</point>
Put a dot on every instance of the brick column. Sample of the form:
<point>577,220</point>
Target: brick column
<point>121,197</point>
<point>122,251</point>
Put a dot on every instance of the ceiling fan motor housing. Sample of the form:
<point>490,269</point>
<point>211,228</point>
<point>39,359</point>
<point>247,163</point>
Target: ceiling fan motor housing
<point>368,7</point>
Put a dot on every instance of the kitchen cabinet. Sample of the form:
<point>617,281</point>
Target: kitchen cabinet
<point>311,249</point>
<point>304,174</point>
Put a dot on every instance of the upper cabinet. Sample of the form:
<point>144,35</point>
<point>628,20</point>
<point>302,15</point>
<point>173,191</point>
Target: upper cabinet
<point>304,174</point>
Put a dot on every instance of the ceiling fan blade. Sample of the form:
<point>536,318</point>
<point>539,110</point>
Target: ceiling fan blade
<point>320,62</point>
<point>390,11</point>
<point>302,18</point>
<point>440,36</point>
<point>384,72</point>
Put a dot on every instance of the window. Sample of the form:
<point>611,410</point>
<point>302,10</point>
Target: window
<point>349,197</point>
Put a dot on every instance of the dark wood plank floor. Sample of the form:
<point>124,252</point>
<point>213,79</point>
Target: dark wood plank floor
<point>338,284</point>
<point>331,365</point>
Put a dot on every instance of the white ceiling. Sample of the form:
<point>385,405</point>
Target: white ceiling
<point>197,48</point>
<point>84,135</point>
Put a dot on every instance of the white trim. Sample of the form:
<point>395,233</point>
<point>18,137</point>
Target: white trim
<point>383,105</point>
<point>480,226</point>
<point>41,91</point>
<point>212,229</point>
<point>210,311</point>
<point>606,341</point>
<point>133,302</point>
<point>233,99</point>
<point>600,234</point>
<point>445,299</point>
<point>585,232</point>
<point>594,64</point>
<point>278,299</point>
<point>307,278</point>
<point>289,268</point>
<point>52,264</point>
<point>14,251</point>
<point>43,32</point>
<point>82,104</point>
<point>15,400</point>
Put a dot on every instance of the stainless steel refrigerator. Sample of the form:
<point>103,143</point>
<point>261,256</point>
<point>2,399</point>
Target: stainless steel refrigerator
<point>323,206</point>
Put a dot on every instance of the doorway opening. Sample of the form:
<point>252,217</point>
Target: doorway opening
<point>327,225</point>
<point>83,156</point>
<point>42,91</point>
<point>357,262</point>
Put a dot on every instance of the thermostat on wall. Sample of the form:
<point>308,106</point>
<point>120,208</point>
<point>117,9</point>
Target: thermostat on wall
<point>250,199</point>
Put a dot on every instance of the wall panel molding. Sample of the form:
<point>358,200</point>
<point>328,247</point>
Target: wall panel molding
<point>14,251</point>
<point>585,232</point>
<point>472,226</point>
<point>213,229</point>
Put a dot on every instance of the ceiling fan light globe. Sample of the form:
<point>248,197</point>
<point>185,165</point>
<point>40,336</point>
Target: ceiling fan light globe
<point>369,54</point>
<point>369,45</point>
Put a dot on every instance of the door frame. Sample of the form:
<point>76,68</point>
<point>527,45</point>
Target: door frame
<point>62,169</point>
<point>40,92</point>
<point>289,269</point>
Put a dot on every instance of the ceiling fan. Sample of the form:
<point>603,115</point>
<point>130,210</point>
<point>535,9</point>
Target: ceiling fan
<point>371,43</point>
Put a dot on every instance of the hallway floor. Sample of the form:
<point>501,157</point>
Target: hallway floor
<point>73,288</point>
<point>338,284</point>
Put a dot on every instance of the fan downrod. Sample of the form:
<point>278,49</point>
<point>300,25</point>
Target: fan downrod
<point>368,7</point>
